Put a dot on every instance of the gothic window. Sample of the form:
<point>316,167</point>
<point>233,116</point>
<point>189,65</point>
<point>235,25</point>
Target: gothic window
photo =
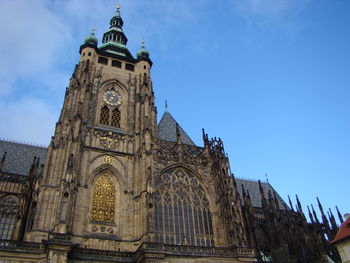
<point>104,117</point>
<point>115,118</point>
<point>182,214</point>
<point>103,204</point>
<point>8,214</point>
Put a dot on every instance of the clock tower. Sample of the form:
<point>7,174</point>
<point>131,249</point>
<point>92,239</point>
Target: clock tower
<point>99,162</point>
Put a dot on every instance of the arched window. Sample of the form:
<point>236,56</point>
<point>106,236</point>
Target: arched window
<point>104,116</point>
<point>103,204</point>
<point>8,214</point>
<point>182,214</point>
<point>115,118</point>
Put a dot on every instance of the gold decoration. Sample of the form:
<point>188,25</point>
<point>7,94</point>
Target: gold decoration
<point>103,207</point>
<point>107,159</point>
<point>108,142</point>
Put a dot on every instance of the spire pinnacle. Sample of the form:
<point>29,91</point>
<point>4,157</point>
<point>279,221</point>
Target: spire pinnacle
<point>166,106</point>
<point>118,9</point>
<point>267,179</point>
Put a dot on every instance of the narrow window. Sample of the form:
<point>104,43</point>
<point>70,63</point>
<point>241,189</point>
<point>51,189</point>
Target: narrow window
<point>89,54</point>
<point>103,205</point>
<point>102,60</point>
<point>104,117</point>
<point>115,118</point>
<point>8,214</point>
<point>116,64</point>
<point>129,67</point>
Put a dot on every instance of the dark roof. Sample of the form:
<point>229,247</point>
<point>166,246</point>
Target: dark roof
<point>253,188</point>
<point>19,156</point>
<point>343,232</point>
<point>167,130</point>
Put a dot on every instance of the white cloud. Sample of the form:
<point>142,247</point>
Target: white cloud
<point>29,120</point>
<point>32,36</point>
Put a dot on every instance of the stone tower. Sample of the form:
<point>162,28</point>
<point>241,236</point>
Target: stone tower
<point>99,161</point>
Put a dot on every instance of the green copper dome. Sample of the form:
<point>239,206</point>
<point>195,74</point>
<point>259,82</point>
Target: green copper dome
<point>91,39</point>
<point>143,53</point>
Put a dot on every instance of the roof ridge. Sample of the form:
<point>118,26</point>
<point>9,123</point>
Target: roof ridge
<point>249,179</point>
<point>23,143</point>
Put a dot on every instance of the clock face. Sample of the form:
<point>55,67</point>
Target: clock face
<point>112,98</point>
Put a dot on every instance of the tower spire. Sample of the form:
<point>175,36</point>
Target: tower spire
<point>339,215</point>
<point>114,39</point>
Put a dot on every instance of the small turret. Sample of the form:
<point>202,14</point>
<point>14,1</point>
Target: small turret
<point>91,39</point>
<point>143,53</point>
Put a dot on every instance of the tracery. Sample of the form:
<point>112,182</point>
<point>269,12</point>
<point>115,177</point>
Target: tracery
<point>8,214</point>
<point>182,214</point>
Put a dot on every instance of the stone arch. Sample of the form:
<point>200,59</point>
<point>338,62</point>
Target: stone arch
<point>182,209</point>
<point>8,216</point>
<point>112,169</point>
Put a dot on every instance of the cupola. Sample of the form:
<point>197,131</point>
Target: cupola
<point>143,53</point>
<point>91,39</point>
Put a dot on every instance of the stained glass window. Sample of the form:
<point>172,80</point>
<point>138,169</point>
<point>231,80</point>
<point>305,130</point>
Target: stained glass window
<point>8,214</point>
<point>104,117</point>
<point>115,118</point>
<point>103,206</point>
<point>182,214</point>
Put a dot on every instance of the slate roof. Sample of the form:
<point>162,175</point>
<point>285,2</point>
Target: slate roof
<point>167,130</point>
<point>19,156</point>
<point>254,191</point>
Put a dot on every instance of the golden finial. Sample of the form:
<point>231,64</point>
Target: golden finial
<point>118,6</point>
<point>143,42</point>
<point>93,29</point>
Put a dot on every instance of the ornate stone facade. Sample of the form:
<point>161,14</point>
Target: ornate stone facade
<point>117,187</point>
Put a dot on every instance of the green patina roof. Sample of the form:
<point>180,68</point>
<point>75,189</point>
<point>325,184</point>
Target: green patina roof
<point>91,39</point>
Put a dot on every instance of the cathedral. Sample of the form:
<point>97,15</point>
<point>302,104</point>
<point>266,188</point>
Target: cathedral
<point>116,186</point>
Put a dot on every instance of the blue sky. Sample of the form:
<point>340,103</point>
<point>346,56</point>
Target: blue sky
<point>270,77</point>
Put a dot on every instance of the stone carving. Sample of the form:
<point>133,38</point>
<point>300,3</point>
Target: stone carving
<point>172,152</point>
